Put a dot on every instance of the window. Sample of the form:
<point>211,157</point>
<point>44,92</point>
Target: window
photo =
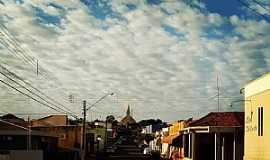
<point>260,121</point>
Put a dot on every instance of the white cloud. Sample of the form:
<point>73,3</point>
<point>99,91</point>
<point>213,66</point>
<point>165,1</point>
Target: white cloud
<point>156,73</point>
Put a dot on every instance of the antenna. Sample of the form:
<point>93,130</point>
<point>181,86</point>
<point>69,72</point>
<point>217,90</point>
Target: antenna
<point>218,94</point>
<point>37,67</point>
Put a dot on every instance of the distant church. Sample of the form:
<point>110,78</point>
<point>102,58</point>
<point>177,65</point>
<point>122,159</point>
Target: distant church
<point>128,119</point>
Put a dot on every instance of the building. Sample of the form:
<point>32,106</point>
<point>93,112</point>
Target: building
<point>164,145</point>
<point>52,120</point>
<point>257,133</point>
<point>128,119</point>
<point>18,141</point>
<point>173,141</point>
<point>216,136</point>
<point>70,134</point>
<point>155,131</point>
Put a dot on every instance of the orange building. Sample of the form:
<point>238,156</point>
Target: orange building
<point>174,140</point>
<point>69,136</point>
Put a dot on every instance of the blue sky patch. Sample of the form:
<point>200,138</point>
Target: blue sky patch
<point>19,1</point>
<point>45,18</point>
<point>229,8</point>
<point>173,31</point>
<point>196,5</point>
<point>219,32</point>
<point>224,7</point>
<point>131,7</point>
<point>154,2</point>
<point>101,9</point>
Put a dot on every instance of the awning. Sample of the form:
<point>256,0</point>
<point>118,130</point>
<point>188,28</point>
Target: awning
<point>169,139</point>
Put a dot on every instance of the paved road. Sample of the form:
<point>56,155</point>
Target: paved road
<point>126,152</point>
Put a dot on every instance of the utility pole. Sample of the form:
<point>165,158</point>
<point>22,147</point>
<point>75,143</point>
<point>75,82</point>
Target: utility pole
<point>83,134</point>
<point>83,155</point>
<point>29,135</point>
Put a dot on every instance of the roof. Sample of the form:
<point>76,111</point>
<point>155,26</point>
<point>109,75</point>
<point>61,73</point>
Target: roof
<point>14,120</point>
<point>21,132</point>
<point>225,119</point>
<point>128,120</point>
<point>57,115</point>
<point>261,77</point>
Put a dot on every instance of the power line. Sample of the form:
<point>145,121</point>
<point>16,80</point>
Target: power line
<point>13,41</point>
<point>15,44</point>
<point>253,10</point>
<point>35,98</point>
<point>21,79</point>
<point>29,90</point>
<point>261,5</point>
<point>7,46</point>
<point>28,95</point>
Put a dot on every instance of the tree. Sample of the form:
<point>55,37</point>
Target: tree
<point>110,118</point>
<point>150,122</point>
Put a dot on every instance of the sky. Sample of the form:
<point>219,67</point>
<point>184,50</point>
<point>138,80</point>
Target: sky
<point>161,57</point>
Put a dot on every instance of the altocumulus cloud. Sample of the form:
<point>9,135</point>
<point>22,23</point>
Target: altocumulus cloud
<point>161,57</point>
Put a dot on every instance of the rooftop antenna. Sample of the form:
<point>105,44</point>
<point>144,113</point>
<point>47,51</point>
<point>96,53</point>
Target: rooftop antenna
<point>218,94</point>
<point>37,68</point>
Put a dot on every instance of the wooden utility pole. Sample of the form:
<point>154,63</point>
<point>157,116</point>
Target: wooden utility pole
<point>83,134</point>
<point>29,135</point>
<point>37,68</point>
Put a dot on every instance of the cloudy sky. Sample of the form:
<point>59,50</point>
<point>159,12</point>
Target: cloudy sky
<point>162,57</point>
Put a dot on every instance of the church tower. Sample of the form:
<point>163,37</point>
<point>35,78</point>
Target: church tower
<point>128,119</point>
<point>128,111</point>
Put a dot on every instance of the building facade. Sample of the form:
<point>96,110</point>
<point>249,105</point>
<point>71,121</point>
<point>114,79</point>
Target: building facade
<point>216,136</point>
<point>173,141</point>
<point>257,133</point>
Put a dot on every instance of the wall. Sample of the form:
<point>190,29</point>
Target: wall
<point>69,136</point>
<point>177,127</point>
<point>257,147</point>
<point>98,132</point>
<point>22,155</point>
<point>54,120</point>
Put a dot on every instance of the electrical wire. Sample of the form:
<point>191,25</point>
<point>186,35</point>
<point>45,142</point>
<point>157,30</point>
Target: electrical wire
<point>253,10</point>
<point>7,84</point>
<point>30,91</point>
<point>18,47</point>
<point>18,77</point>
<point>261,5</point>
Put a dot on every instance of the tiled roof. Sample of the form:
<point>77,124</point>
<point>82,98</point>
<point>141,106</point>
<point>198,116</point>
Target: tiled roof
<point>15,120</point>
<point>128,120</point>
<point>220,119</point>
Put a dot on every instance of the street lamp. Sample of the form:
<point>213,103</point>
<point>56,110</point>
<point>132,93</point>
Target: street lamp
<point>100,99</point>
<point>239,100</point>
<point>84,121</point>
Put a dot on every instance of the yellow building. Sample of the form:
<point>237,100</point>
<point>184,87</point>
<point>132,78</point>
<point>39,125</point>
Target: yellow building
<point>173,141</point>
<point>257,122</point>
<point>176,127</point>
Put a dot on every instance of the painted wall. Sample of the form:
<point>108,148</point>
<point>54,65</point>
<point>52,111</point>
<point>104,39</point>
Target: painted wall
<point>177,127</point>
<point>54,120</point>
<point>69,136</point>
<point>257,94</point>
<point>98,132</point>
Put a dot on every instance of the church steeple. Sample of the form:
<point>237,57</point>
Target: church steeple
<point>128,111</point>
